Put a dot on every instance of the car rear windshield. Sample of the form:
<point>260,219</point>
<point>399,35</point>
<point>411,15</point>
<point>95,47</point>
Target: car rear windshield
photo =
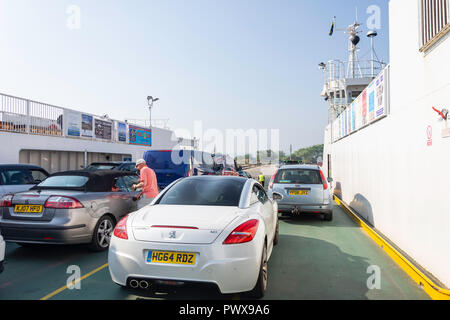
<point>204,192</point>
<point>101,167</point>
<point>21,176</point>
<point>298,176</point>
<point>64,182</point>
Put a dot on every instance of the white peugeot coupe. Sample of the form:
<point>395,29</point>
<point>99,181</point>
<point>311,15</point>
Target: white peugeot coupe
<point>203,229</point>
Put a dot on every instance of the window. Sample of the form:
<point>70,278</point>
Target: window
<point>259,194</point>
<point>204,192</point>
<point>298,176</point>
<point>38,175</point>
<point>126,182</point>
<point>64,182</point>
<point>95,167</point>
<point>22,176</point>
<point>435,21</point>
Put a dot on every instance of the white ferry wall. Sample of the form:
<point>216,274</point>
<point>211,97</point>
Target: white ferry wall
<point>387,171</point>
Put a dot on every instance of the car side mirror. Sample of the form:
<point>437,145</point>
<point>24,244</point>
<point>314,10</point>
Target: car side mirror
<point>277,197</point>
<point>330,180</point>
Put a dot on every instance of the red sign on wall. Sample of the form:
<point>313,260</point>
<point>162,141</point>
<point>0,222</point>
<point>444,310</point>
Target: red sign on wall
<point>364,104</point>
<point>429,136</point>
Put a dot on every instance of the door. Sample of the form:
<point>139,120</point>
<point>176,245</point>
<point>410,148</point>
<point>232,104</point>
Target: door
<point>124,183</point>
<point>265,208</point>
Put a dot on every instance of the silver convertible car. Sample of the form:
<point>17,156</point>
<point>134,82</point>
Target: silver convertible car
<point>74,207</point>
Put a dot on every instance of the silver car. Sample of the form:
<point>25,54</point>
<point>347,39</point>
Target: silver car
<point>301,189</point>
<point>16,178</point>
<point>74,207</point>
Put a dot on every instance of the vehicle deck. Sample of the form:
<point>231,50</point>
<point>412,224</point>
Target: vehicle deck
<point>314,260</point>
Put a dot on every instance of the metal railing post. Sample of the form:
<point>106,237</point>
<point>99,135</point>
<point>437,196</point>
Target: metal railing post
<point>28,117</point>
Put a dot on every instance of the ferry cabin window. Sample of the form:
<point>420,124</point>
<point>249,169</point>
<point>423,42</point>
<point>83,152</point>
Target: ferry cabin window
<point>434,21</point>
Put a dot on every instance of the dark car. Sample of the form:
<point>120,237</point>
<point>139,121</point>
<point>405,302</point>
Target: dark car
<point>119,166</point>
<point>20,177</point>
<point>245,174</point>
<point>73,207</point>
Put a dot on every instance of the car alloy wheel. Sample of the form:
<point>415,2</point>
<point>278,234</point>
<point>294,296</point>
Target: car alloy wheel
<point>104,233</point>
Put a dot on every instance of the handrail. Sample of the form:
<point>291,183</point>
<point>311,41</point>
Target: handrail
<point>20,115</point>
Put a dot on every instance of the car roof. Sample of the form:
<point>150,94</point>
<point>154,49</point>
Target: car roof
<point>20,166</point>
<point>301,166</point>
<point>233,178</point>
<point>90,174</point>
<point>98,181</point>
<point>106,163</point>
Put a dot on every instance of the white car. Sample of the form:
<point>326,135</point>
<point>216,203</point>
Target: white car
<point>2,253</point>
<point>207,229</point>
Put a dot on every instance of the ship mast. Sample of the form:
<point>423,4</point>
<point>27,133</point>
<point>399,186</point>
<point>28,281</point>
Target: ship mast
<point>345,80</point>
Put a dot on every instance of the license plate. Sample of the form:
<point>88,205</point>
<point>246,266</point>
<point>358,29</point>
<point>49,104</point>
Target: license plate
<point>298,192</point>
<point>169,257</point>
<point>27,209</point>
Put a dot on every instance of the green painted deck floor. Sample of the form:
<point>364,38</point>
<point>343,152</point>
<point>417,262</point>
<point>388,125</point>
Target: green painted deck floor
<point>314,260</point>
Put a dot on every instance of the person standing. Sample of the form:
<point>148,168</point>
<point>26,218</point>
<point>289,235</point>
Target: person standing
<point>262,179</point>
<point>148,184</point>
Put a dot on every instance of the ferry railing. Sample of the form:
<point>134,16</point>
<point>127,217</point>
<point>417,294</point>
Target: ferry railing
<point>337,70</point>
<point>13,114</point>
<point>45,119</point>
<point>26,116</point>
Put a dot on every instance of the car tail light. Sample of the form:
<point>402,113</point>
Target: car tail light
<point>6,201</point>
<point>324,181</point>
<point>120,231</point>
<point>244,233</point>
<point>60,202</point>
<point>272,180</point>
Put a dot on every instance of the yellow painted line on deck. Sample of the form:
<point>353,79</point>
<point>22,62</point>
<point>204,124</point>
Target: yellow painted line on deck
<point>54,293</point>
<point>434,291</point>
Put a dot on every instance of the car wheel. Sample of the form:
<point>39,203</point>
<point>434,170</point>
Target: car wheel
<point>261,285</point>
<point>275,239</point>
<point>328,216</point>
<point>102,234</point>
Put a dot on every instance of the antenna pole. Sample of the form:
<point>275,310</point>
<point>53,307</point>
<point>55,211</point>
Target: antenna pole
<point>372,65</point>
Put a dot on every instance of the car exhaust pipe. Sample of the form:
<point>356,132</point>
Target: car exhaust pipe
<point>143,284</point>
<point>134,284</point>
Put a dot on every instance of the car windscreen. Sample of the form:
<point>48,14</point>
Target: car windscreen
<point>21,176</point>
<point>204,192</point>
<point>298,176</point>
<point>64,182</point>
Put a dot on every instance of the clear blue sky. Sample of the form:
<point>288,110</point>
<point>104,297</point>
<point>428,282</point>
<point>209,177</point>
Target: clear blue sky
<point>231,63</point>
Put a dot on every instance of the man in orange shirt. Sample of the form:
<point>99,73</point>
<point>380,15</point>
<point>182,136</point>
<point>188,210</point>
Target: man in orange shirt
<point>148,184</point>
